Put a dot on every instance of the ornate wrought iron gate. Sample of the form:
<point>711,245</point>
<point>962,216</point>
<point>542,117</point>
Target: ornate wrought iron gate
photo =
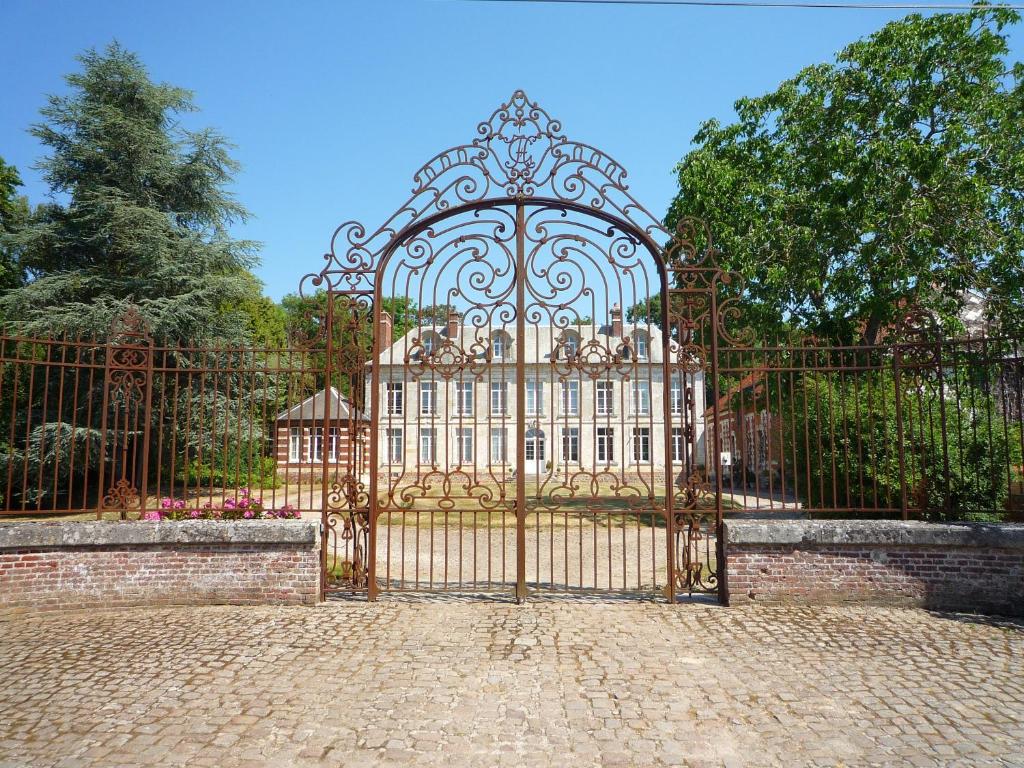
<point>525,356</point>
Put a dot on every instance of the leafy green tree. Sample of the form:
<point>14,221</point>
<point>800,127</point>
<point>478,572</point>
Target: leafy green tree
<point>147,217</point>
<point>891,177</point>
<point>14,213</point>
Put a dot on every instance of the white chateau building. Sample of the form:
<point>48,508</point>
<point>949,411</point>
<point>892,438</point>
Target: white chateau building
<point>444,406</point>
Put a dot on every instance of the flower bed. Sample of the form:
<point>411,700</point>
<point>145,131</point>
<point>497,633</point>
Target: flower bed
<point>246,507</point>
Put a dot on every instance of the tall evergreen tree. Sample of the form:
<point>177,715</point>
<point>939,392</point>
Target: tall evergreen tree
<point>147,214</point>
<point>13,215</point>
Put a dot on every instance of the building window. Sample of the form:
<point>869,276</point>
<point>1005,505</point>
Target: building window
<point>641,444</point>
<point>677,444</point>
<point>428,398</point>
<point>570,398</point>
<point>605,444</point>
<point>499,445</point>
<point>332,443</point>
<point>641,343</point>
<point>641,398</point>
<point>316,444</point>
<point>428,445</point>
<point>294,444</point>
<point>395,446</point>
<point>534,448</point>
<point>571,344</point>
<point>464,398</point>
<point>428,343</point>
<point>534,398</point>
<point>395,397</point>
<point>571,444</point>
<point>464,444</point>
<point>605,395</point>
<point>499,397</point>
<point>498,346</point>
<point>676,393</point>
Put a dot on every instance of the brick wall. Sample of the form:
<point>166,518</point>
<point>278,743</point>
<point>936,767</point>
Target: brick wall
<point>70,565</point>
<point>978,568</point>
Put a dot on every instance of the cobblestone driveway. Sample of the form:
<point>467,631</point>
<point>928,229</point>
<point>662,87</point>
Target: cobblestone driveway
<point>488,684</point>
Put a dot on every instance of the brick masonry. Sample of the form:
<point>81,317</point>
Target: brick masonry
<point>72,565</point>
<point>975,568</point>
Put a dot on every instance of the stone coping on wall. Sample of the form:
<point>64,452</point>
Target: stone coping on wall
<point>63,534</point>
<point>875,533</point>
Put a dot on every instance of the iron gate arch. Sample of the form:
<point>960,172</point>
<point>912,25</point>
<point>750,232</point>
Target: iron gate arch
<point>524,207</point>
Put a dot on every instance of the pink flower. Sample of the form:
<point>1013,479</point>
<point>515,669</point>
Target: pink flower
<point>153,514</point>
<point>247,514</point>
<point>194,514</point>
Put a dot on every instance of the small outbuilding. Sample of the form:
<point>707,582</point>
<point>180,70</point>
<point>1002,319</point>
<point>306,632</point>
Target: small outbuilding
<point>300,440</point>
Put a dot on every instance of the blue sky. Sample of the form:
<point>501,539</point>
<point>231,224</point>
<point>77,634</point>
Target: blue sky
<point>334,105</point>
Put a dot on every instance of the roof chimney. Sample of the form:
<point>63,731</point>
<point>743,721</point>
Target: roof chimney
<point>616,315</point>
<point>386,328</point>
<point>454,321</point>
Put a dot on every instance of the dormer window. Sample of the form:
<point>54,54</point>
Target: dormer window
<point>571,345</point>
<point>429,343</point>
<point>640,343</point>
<point>499,345</point>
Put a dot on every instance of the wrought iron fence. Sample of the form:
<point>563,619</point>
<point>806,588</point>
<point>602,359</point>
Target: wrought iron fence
<point>920,428</point>
<point>927,428</point>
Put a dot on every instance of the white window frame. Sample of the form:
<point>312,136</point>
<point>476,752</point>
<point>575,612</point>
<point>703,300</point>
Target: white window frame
<point>641,397</point>
<point>642,445</point>
<point>571,445</point>
<point>498,345</point>
<point>428,398</point>
<point>571,344</point>
<point>499,398</point>
<point>676,392</point>
<point>428,445</point>
<point>605,439</point>
<point>333,441</point>
<point>396,445</point>
<point>536,445</point>
<point>677,444</point>
<point>642,344</point>
<point>604,398</point>
<point>294,444</point>
<point>498,445</point>
<point>395,397</point>
<point>570,398</point>
<point>464,445</point>
<point>464,398</point>
<point>534,397</point>
<point>316,444</point>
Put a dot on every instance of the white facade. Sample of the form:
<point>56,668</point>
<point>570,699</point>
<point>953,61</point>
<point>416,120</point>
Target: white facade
<point>444,405</point>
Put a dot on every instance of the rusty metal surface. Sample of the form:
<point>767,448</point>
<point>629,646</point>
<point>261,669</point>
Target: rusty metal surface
<point>533,239</point>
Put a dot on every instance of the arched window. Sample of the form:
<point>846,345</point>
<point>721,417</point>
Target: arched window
<point>642,344</point>
<point>570,343</point>
<point>500,343</point>
<point>429,342</point>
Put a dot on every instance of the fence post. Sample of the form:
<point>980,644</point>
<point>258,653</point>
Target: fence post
<point>898,387</point>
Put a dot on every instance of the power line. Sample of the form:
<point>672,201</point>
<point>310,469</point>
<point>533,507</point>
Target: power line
<point>774,4</point>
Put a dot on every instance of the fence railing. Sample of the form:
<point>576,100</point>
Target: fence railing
<point>930,429</point>
<point>123,427</point>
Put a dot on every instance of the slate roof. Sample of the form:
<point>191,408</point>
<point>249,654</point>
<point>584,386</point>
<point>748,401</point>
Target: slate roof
<point>540,340</point>
<point>312,407</point>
